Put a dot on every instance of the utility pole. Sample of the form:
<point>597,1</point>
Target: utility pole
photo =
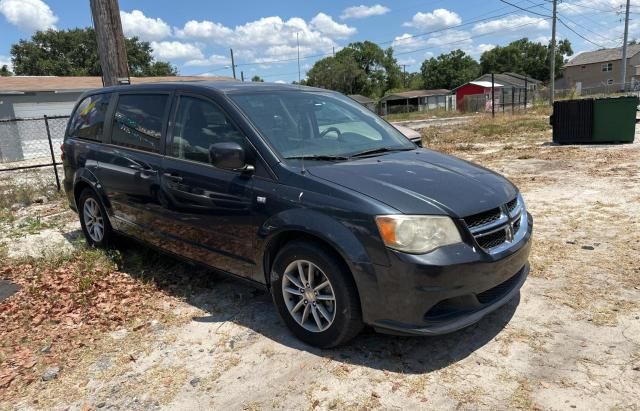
<point>110,39</point>
<point>242,76</point>
<point>552,55</point>
<point>298,43</point>
<point>404,75</point>
<point>623,87</point>
<point>233,64</point>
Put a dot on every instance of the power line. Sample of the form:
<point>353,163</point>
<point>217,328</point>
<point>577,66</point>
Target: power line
<point>526,9</point>
<point>586,28</point>
<point>466,39</point>
<point>593,8</point>
<point>580,35</point>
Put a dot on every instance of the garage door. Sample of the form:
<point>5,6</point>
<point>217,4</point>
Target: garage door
<point>28,110</point>
<point>32,134</point>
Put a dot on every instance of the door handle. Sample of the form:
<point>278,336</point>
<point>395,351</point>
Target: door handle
<point>143,170</point>
<point>173,177</point>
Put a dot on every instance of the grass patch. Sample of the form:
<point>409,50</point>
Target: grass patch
<point>514,131</point>
<point>27,186</point>
<point>423,115</point>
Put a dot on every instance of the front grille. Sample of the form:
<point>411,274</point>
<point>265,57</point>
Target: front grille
<point>485,217</point>
<point>495,227</point>
<point>492,240</point>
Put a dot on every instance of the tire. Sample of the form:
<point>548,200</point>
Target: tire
<point>328,323</point>
<point>93,215</point>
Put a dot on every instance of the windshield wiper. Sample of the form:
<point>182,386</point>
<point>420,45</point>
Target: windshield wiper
<point>319,157</point>
<point>379,151</point>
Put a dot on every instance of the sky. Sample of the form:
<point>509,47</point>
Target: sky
<point>196,36</point>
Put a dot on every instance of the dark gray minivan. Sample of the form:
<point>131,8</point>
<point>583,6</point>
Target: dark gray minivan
<point>306,192</point>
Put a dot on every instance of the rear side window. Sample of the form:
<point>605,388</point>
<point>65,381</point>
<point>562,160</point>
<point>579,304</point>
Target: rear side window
<point>88,119</point>
<point>138,121</point>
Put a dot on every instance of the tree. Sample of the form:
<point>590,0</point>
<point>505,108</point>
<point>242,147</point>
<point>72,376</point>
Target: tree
<point>449,70</point>
<point>74,53</point>
<point>525,57</point>
<point>257,79</point>
<point>360,68</point>
<point>4,71</point>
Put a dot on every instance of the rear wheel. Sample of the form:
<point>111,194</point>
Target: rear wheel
<point>315,295</point>
<point>94,219</point>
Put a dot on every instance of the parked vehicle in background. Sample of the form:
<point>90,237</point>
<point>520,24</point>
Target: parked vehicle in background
<point>306,192</point>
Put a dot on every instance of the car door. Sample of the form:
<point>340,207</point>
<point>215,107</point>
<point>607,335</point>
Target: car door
<point>207,209</point>
<point>130,163</point>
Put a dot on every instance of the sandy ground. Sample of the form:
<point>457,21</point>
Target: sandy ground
<point>570,341</point>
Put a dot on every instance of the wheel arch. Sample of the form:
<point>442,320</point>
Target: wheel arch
<point>86,179</point>
<point>323,230</point>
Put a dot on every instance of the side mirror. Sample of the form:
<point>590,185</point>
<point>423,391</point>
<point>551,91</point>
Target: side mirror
<point>228,156</point>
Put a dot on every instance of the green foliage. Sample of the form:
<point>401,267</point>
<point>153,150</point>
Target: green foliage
<point>360,68</point>
<point>5,72</point>
<point>74,52</point>
<point>524,57</point>
<point>449,70</point>
<point>257,79</point>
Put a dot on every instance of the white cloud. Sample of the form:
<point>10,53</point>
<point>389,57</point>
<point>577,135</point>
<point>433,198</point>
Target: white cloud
<point>481,48</point>
<point>437,19</point>
<point>511,23</point>
<point>407,42</point>
<point>28,15</point>
<point>451,40</point>
<point>361,12</point>
<point>6,61</point>
<point>175,50</point>
<point>542,39</point>
<point>326,25</point>
<point>280,82</point>
<point>146,28</point>
<point>205,30</point>
<point>266,39</point>
<point>213,60</point>
<point>407,61</point>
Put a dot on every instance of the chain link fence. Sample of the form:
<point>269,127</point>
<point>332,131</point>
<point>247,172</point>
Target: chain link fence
<point>30,143</point>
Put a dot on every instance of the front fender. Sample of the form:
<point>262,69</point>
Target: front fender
<point>331,231</point>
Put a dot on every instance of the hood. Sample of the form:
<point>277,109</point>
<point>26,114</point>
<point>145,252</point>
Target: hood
<point>421,182</point>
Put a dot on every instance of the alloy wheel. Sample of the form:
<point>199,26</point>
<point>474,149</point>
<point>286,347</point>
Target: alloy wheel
<point>309,296</point>
<point>93,219</point>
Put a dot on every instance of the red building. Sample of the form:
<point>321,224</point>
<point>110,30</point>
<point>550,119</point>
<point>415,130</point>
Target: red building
<point>477,89</point>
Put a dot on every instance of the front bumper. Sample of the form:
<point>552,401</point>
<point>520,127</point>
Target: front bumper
<point>446,290</point>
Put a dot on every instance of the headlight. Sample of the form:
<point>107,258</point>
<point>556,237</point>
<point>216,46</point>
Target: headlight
<point>417,234</point>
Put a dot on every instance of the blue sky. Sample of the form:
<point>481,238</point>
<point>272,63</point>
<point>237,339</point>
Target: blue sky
<point>196,36</point>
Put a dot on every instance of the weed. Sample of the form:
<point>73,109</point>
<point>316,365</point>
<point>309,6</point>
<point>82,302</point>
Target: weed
<point>423,115</point>
<point>32,225</point>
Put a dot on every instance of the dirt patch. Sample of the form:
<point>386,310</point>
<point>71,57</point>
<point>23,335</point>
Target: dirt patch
<point>571,340</point>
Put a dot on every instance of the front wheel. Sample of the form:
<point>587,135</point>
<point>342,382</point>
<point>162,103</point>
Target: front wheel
<point>315,295</point>
<point>93,219</point>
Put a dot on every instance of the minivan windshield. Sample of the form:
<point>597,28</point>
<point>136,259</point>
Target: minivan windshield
<point>316,125</point>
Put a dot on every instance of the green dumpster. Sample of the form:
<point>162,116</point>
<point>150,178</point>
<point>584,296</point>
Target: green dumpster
<point>614,119</point>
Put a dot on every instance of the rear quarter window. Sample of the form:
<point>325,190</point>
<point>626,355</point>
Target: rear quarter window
<point>87,121</point>
<point>138,121</point>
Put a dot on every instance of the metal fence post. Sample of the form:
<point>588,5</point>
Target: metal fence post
<point>526,92</point>
<point>53,156</point>
<point>493,97</point>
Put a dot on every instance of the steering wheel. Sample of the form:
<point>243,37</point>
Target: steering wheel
<point>329,130</point>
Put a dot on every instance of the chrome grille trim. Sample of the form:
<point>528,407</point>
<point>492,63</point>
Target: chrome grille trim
<point>513,221</point>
